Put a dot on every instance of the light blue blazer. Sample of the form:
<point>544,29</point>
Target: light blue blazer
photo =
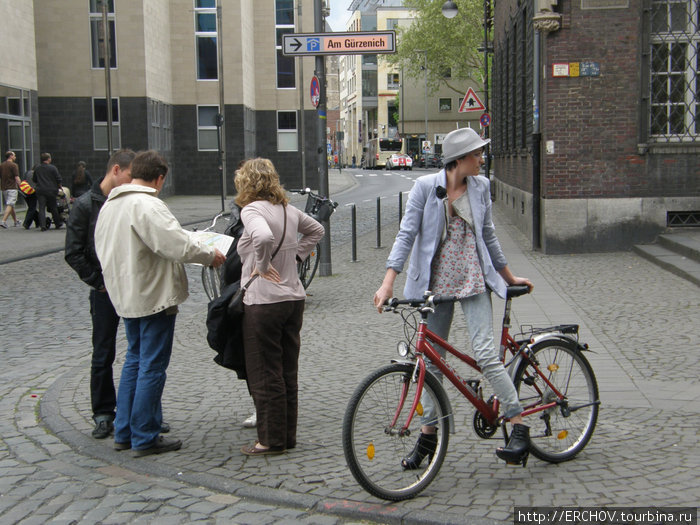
<point>422,229</point>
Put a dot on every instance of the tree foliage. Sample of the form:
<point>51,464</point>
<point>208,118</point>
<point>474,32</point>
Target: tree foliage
<point>446,44</point>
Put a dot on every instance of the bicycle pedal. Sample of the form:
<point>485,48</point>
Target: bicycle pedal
<point>529,381</point>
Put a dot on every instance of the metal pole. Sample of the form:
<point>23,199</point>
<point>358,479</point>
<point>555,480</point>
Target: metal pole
<point>379,223</point>
<point>353,221</point>
<point>486,83</point>
<point>400,207</point>
<point>324,268</point>
<point>425,57</point>
<point>403,128</point>
<point>536,143</point>
<point>108,72</point>
<point>302,126</point>
<point>221,121</point>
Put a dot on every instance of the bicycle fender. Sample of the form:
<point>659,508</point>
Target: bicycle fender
<point>450,411</point>
<point>539,338</point>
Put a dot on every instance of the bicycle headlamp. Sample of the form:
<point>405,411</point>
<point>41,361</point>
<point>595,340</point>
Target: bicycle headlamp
<point>402,348</point>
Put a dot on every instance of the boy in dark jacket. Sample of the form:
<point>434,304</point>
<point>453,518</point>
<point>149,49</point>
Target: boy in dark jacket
<point>81,256</point>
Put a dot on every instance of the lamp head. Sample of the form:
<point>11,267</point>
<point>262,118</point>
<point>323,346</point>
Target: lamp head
<point>449,9</point>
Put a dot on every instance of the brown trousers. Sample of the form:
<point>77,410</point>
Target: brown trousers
<point>271,341</point>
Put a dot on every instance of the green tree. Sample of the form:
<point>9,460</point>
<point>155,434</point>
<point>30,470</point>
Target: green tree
<point>447,44</point>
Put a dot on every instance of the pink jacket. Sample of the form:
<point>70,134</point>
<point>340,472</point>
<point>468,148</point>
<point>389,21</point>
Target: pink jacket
<point>264,223</point>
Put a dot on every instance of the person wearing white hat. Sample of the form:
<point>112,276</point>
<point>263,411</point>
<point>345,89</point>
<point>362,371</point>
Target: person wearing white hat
<point>448,231</point>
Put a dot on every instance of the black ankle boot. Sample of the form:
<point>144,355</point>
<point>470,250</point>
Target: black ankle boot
<point>518,447</point>
<point>425,446</point>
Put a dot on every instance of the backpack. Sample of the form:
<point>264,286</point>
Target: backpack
<point>233,266</point>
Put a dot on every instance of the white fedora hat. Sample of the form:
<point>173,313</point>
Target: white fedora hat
<point>459,142</point>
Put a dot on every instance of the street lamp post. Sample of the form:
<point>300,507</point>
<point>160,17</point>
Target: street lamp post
<point>425,68</point>
<point>450,10</point>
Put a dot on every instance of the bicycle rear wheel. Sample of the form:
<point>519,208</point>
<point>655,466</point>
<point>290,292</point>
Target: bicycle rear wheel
<point>374,449</point>
<point>307,268</point>
<point>211,280</point>
<point>559,433</point>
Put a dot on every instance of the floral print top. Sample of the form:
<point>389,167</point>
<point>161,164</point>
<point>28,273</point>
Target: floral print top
<point>456,269</point>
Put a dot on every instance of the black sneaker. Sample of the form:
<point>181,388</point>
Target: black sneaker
<point>161,444</point>
<point>103,429</point>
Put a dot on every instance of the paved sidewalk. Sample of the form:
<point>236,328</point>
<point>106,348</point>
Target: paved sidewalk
<point>639,321</point>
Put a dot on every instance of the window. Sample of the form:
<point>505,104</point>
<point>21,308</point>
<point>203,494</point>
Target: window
<point>99,124</point>
<point>392,23</point>
<point>97,35</point>
<point>205,40</point>
<point>675,70</point>
<point>445,104</point>
<point>287,131</point>
<point>392,81</point>
<point>207,132</point>
<point>284,23</point>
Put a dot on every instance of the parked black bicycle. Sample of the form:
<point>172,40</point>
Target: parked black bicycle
<point>321,209</point>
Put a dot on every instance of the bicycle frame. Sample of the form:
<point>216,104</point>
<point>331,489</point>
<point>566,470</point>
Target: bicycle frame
<point>425,340</point>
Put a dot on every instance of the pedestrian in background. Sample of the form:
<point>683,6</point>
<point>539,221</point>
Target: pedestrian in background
<point>47,181</point>
<point>141,248</point>
<point>448,231</point>
<point>29,193</point>
<point>82,182</point>
<point>9,183</point>
<point>274,303</point>
<point>80,254</point>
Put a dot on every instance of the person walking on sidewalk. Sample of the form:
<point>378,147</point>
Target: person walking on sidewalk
<point>141,248</point>
<point>448,231</point>
<point>29,193</point>
<point>274,304</point>
<point>81,256</point>
<point>47,183</point>
<point>9,183</point>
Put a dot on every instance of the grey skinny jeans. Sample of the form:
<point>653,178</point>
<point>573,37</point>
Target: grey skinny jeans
<point>479,317</point>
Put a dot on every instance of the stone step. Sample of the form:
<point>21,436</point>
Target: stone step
<point>687,267</point>
<point>684,243</point>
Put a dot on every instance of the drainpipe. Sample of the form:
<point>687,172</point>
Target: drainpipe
<point>545,21</point>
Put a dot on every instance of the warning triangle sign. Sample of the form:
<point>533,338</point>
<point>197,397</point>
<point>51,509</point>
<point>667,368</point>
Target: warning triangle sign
<point>471,102</point>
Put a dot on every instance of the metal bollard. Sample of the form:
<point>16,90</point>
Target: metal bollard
<point>400,207</point>
<point>353,222</point>
<point>379,223</point>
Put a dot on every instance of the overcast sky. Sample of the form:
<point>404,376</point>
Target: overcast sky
<point>339,14</point>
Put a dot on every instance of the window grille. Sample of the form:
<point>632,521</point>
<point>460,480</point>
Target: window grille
<point>674,71</point>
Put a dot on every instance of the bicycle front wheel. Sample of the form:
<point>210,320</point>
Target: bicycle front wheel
<point>563,430</point>
<point>211,280</point>
<point>307,268</point>
<point>374,447</point>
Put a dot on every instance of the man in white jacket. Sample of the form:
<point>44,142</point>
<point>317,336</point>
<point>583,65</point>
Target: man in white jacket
<point>142,247</point>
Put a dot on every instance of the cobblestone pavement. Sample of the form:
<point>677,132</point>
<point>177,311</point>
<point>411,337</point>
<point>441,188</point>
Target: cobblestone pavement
<point>636,317</point>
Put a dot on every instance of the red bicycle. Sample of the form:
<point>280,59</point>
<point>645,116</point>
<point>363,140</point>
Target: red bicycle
<point>554,380</point>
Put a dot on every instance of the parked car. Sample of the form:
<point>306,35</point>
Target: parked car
<point>429,161</point>
<point>398,161</point>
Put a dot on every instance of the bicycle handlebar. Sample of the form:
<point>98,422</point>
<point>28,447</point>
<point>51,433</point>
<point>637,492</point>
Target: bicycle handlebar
<point>429,299</point>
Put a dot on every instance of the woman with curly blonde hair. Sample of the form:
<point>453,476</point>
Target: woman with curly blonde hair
<point>274,305</point>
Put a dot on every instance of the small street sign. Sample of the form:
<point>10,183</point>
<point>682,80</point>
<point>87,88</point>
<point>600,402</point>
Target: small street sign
<point>315,91</point>
<point>471,102</point>
<point>357,43</point>
<point>485,120</point>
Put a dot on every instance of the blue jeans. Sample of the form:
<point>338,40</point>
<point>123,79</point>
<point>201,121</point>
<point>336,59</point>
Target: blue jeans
<point>139,415</point>
<point>478,314</point>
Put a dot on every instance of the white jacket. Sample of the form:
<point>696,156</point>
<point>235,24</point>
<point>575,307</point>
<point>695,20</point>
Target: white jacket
<point>141,247</point>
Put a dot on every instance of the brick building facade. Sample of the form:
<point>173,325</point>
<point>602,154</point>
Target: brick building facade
<point>619,122</point>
